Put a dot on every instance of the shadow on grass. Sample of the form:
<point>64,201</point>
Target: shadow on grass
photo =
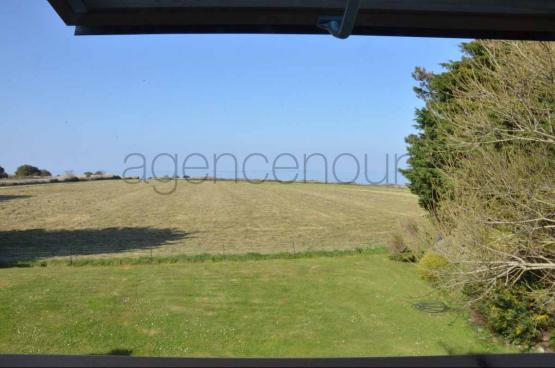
<point>124,352</point>
<point>20,246</point>
<point>4,198</point>
<point>457,350</point>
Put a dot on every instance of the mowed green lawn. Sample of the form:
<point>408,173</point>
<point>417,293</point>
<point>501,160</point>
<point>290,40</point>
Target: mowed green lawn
<point>113,218</point>
<point>342,306</point>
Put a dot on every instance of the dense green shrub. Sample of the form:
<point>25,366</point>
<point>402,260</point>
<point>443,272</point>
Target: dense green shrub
<point>27,170</point>
<point>510,312</point>
<point>431,266</point>
<point>88,174</point>
<point>3,174</point>
<point>45,173</point>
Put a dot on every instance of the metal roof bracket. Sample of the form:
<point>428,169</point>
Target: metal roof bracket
<point>341,26</point>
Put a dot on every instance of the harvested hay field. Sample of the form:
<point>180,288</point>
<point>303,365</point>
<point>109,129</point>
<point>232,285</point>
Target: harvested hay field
<point>114,218</point>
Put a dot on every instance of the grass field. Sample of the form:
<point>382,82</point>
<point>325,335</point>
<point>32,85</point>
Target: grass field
<point>342,306</point>
<point>110,218</point>
<point>129,271</point>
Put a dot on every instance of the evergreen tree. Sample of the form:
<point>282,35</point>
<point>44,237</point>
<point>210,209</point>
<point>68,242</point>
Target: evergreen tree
<point>427,150</point>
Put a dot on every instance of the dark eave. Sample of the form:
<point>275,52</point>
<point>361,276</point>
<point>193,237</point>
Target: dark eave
<point>510,19</point>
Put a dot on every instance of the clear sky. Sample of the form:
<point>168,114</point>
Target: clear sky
<point>84,103</point>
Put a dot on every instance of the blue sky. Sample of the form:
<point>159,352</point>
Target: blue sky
<point>84,103</point>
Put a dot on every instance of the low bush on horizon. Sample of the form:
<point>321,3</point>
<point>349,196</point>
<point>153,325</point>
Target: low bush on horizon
<point>29,170</point>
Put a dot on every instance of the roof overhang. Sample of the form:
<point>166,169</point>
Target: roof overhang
<point>510,19</point>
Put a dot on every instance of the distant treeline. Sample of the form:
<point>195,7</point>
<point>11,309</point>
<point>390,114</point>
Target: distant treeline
<point>29,174</point>
<point>56,179</point>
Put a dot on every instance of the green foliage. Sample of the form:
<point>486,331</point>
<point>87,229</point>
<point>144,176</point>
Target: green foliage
<point>88,174</point>
<point>427,150</point>
<point>513,314</point>
<point>3,174</point>
<point>99,172</point>
<point>27,170</point>
<point>431,265</point>
<point>45,173</point>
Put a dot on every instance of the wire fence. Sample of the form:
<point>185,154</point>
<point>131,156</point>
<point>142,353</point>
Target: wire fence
<point>24,248</point>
